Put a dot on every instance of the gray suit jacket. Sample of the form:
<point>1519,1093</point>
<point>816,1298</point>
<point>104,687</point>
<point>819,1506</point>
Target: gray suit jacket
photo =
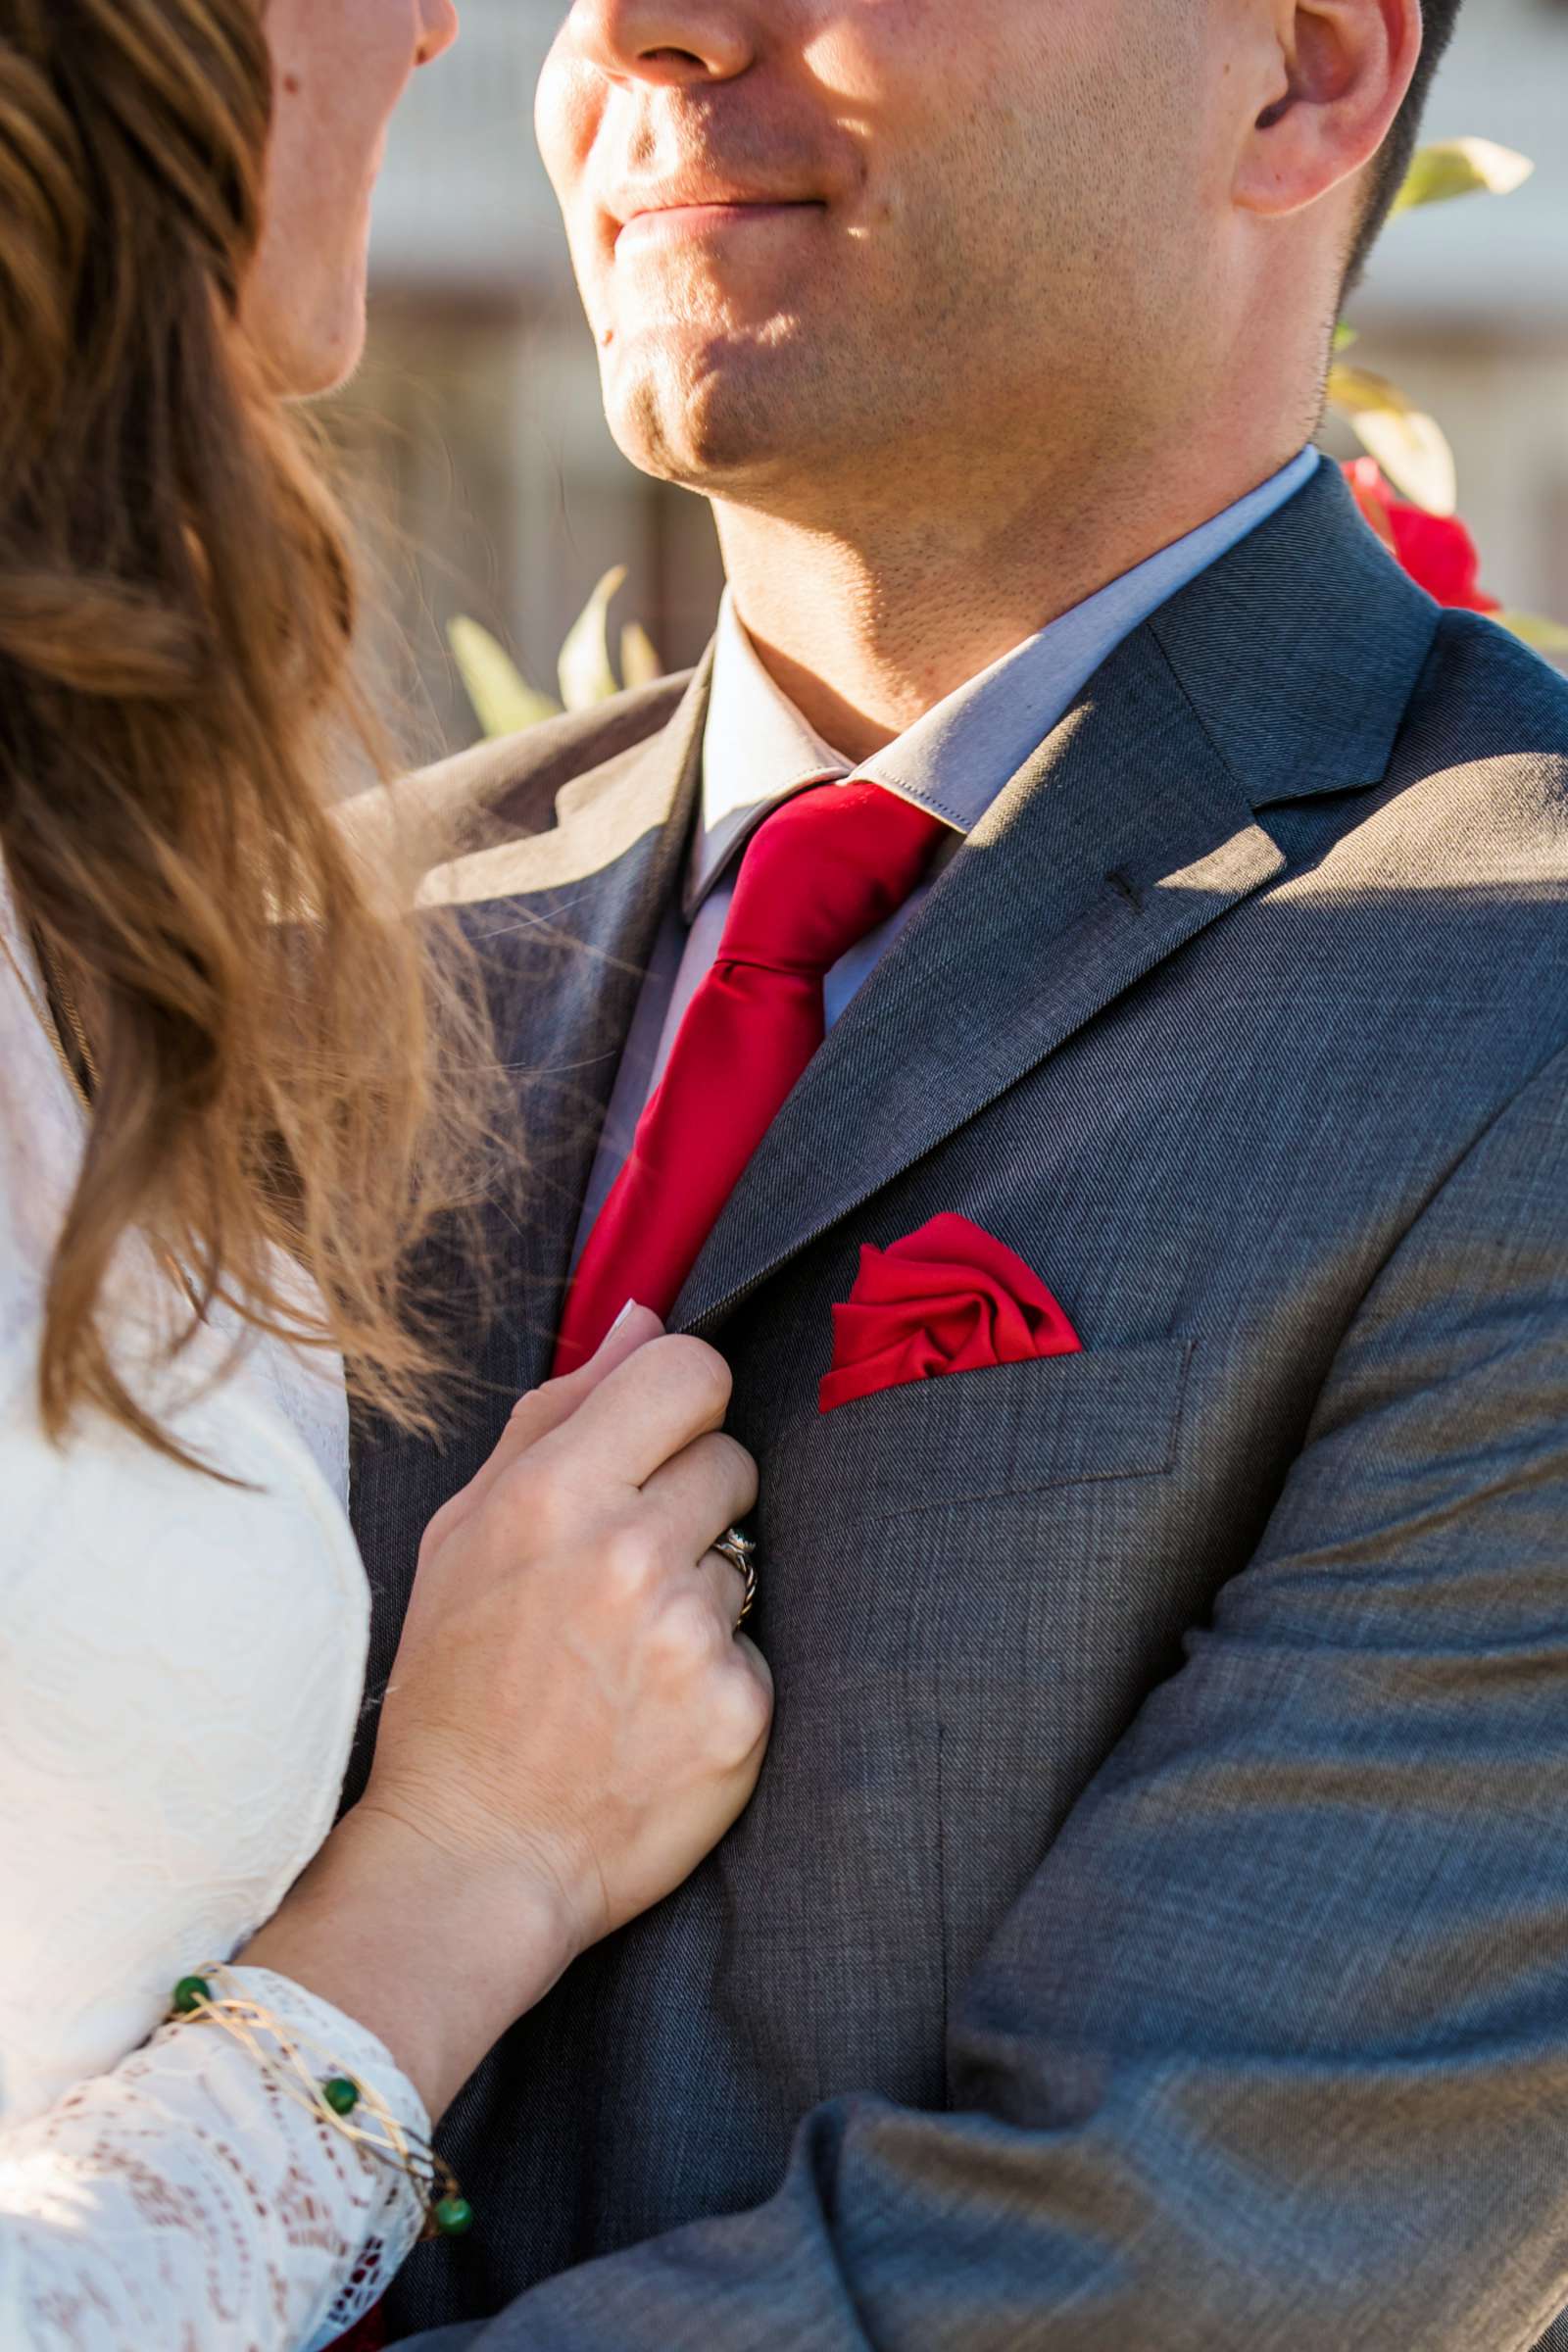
<point>1152,1929</point>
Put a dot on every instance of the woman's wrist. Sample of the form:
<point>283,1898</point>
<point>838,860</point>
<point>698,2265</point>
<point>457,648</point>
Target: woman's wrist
<point>433,1955</point>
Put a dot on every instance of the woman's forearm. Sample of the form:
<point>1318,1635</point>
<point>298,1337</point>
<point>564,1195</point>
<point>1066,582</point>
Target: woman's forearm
<point>435,1961</point>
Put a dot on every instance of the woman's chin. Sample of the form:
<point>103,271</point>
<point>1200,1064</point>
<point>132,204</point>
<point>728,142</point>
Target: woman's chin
<point>308,349</point>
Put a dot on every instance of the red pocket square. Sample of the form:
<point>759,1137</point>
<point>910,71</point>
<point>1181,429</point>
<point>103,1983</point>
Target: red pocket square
<point>948,1299</point>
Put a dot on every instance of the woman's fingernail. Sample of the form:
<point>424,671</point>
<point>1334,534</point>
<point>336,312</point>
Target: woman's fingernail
<point>630,1308</point>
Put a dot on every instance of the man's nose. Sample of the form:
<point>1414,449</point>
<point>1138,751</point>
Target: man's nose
<point>669,41</point>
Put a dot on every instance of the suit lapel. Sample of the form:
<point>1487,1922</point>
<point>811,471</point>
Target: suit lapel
<point>1122,839</point>
<point>564,923</point>
<point>1283,672</point>
<point>564,948</point>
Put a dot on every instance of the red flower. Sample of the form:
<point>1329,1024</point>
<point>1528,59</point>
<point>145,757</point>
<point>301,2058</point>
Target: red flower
<point>1436,549</point>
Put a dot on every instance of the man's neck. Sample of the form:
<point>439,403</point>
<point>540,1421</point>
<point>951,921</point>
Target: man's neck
<point>867,622</point>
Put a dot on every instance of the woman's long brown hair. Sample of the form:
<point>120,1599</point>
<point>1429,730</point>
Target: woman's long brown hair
<point>284,1073</point>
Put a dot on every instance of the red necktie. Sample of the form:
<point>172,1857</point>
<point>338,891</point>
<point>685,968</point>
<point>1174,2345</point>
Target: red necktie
<point>822,872</point>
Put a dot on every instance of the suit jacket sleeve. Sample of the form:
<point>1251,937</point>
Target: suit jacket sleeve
<point>1273,2052</point>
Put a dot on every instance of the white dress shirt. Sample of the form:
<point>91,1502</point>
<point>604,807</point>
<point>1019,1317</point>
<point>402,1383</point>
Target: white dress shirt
<point>758,751</point>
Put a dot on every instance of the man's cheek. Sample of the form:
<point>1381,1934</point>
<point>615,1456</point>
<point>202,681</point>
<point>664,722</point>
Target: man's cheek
<point>566,122</point>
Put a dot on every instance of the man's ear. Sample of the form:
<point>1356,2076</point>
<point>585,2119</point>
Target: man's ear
<point>1338,75</point>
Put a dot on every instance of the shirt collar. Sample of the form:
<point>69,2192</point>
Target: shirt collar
<point>757,749</point>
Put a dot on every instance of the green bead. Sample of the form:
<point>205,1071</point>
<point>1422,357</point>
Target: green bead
<point>454,2217</point>
<point>191,1994</point>
<point>340,2095</point>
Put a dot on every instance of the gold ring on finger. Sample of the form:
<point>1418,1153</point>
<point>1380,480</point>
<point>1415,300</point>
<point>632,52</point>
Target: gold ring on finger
<point>741,1553</point>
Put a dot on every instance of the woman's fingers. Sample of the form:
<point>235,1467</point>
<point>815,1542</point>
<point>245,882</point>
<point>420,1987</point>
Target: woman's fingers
<point>549,1408</point>
<point>709,1488</point>
<point>749,1697</point>
<point>726,1586</point>
<point>637,1418</point>
<point>761,1676</point>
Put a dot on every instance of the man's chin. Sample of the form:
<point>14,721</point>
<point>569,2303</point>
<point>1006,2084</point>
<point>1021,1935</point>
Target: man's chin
<point>712,421</point>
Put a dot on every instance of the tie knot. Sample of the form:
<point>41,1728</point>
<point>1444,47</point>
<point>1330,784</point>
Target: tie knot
<point>822,872</point>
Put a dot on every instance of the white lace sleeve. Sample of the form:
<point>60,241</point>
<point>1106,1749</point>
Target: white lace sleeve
<point>183,2201</point>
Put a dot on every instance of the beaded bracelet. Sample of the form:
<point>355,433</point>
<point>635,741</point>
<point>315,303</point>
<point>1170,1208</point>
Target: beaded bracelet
<point>306,2074</point>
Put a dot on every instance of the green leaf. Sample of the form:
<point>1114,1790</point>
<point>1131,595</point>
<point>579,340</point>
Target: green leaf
<point>503,699</point>
<point>1546,636</point>
<point>640,665</point>
<point>1462,168</point>
<point>587,677</point>
<point>1411,446</point>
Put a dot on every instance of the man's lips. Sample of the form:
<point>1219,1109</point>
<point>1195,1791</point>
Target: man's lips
<point>689,221</point>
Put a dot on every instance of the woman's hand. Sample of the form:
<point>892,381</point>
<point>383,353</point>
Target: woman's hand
<point>571,1723</point>
<point>570,1697</point>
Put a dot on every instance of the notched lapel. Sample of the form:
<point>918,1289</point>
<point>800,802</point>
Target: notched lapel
<point>563,921</point>
<point>564,954</point>
<point>1282,671</point>
<point>1124,837</point>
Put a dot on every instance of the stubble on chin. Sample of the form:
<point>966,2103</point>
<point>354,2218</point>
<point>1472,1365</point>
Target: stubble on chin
<point>704,418</point>
<point>752,420</point>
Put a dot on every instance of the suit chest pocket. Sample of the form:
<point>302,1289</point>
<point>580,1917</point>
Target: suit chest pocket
<point>967,1587</point>
<point>1012,1432</point>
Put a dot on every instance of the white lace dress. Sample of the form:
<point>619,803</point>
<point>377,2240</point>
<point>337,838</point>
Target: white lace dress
<point>180,1669</point>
